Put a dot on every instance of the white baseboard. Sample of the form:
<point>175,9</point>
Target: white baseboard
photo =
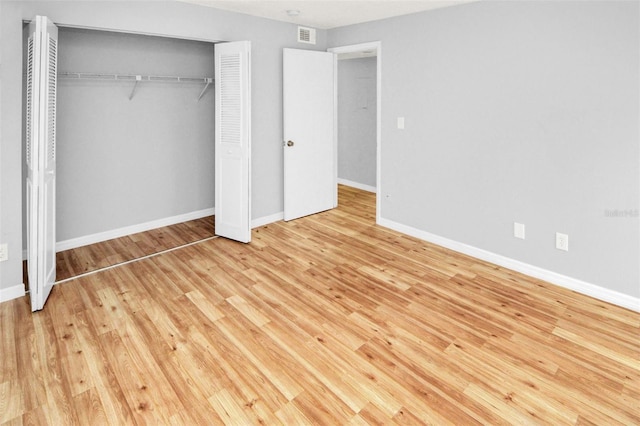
<point>11,293</point>
<point>133,229</point>
<point>357,185</point>
<point>142,227</point>
<point>147,226</point>
<point>598,292</point>
<point>574,284</point>
<point>265,220</point>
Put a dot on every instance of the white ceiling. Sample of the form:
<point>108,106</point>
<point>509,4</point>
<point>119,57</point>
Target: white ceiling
<point>327,14</point>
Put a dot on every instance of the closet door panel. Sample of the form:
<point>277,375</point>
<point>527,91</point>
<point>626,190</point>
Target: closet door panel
<point>42,56</point>
<point>233,140</point>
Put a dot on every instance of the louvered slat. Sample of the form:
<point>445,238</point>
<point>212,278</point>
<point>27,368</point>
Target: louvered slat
<point>51,99</point>
<point>230,95</point>
<point>29,101</point>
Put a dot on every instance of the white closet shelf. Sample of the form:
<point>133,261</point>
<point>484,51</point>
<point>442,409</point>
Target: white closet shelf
<point>137,78</point>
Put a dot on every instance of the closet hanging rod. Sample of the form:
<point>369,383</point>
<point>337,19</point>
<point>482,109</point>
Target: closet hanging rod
<point>137,78</point>
<point>133,77</point>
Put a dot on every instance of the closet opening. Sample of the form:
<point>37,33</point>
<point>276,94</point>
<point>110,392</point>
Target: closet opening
<point>134,147</point>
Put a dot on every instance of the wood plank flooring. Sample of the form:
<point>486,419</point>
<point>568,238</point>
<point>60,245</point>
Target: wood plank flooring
<point>329,319</point>
<point>74,262</point>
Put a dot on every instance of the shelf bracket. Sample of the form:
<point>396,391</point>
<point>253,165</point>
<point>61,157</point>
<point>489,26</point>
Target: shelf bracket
<point>208,81</point>
<point>135,85</point>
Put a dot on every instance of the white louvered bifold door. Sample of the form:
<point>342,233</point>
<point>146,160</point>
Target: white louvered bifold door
<point>233,140</point>
<point>42,62</point>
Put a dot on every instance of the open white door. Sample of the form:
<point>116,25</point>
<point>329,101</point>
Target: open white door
<point>233,140</point>
<point>309,133</point>
<point>41,159</point>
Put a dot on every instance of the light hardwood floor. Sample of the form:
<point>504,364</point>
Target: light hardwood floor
<point>81,260</point>
<point>329,319</point>
<point>74,262</point>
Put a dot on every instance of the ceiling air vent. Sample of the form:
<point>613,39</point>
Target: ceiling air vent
<point>306,35</point>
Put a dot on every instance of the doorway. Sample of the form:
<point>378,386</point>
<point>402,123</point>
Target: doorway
<point>358,94</point>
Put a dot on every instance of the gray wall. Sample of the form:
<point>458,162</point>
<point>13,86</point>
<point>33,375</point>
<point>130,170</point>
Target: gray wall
<point>173,19</point>
<point>357,120</point>
<point>516,111</point>
<point>123,162</point>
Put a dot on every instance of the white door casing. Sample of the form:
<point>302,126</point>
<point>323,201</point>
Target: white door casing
<point>41,159</point>
<point>310,166</point>
<point>233,140</point>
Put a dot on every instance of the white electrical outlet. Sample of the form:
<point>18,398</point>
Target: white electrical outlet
<point>4,252</point>
<point>562,241</point>
<point>401,123</point>
<point>518,230</point>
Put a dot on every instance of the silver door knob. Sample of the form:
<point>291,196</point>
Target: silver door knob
<point>289,143</point>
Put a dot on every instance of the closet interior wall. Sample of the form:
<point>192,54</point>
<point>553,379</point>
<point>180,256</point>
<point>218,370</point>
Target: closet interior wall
<point>125,162</point>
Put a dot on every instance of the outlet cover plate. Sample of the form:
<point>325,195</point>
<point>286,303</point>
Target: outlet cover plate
<point>562,241</point>
<point>4,252</point>
<point>518,230</point>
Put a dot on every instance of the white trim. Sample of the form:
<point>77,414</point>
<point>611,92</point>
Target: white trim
<point>265,220</point>
<point>570,283</point>
<point>362,47</point>
<point>357,185</point>
<point>11,293</point>
<point>134,32</point>
<point>334,172</point>
<point>354,48</point>
<point>133,229</point>
<point>379,132</point>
